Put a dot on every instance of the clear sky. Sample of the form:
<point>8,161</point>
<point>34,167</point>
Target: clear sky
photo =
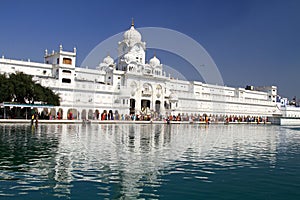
<point>253,42</point>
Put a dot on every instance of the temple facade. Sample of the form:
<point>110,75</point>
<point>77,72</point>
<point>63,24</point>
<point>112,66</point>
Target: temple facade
<point>130,85</point>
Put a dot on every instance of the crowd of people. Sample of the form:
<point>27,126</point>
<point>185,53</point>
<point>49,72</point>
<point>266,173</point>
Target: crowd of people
<point>184,117</point>
<point>110,115</point>
<point>217,118</point>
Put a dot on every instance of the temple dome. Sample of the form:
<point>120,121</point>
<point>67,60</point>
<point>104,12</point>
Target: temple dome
<point>132,36</point>
<point>108,60</point>
<point>154,62</point>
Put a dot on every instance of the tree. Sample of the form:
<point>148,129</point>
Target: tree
<point>6,89</point>
<point>21,88</point>
<point>51,97</point>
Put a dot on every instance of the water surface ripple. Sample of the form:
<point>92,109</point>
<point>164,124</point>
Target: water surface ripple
<point>151,161</point>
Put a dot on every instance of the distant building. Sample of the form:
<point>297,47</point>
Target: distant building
<point>130,85</point>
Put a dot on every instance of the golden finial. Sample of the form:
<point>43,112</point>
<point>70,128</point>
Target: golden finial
<point>132,22</point>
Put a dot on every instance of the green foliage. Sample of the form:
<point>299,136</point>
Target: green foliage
<point>21,88</point>
<point>6,89</point>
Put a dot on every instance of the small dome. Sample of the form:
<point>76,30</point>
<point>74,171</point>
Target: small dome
<point>132,36</point>
<point>154,61</point>
<point>108,60</point>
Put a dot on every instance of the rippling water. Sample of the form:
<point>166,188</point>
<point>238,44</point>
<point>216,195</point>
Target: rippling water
<point>149,162</point>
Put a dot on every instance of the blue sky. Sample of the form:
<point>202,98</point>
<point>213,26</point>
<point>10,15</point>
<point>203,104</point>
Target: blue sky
<point>253,42</point>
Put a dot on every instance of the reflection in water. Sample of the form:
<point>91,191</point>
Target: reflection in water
<point>130,161</point>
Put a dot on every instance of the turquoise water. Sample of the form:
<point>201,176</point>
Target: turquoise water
<point>149,162</point>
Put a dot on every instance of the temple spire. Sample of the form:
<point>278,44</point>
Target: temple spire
<point>132,21</point>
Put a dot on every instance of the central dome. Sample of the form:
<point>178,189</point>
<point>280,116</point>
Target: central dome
<point>132,36</point>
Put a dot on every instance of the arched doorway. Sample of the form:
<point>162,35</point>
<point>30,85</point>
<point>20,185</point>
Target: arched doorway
<point>83,114</point>
<point>52,113</point>
<point>117,116</point>
<point>132,106</point>
<point>97,114</point>
<point>72,113</point>
<point>90,114</point>
<point>44,114</point>
<point>145,106</point>
<point>104,115</point>
<point>157,106</point>
<point>60,113</point>
<point>145,103</point>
